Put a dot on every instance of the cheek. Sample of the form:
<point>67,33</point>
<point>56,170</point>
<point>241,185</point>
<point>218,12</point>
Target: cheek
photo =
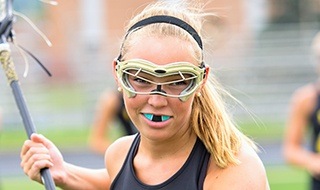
<point>132,105</point>
<point>183,109</point>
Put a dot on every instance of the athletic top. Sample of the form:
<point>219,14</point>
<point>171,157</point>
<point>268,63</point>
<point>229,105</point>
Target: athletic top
<point>315,125</point>
<point>315,140</point>
<point>124,119</point>
<point>189,177</point>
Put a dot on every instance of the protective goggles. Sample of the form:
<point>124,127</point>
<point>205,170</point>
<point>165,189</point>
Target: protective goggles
<point>177,80</point>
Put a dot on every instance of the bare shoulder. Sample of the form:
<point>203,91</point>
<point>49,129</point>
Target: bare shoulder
<point>304,93</point>
<point>250,174</point>
<point>109,96</point>
<point>304,98</point>
<point>116,154</point>
<point>108,101</point>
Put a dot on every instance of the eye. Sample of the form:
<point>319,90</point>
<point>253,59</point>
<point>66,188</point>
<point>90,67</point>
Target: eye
<point>140,80</point>
<point>179,83</point>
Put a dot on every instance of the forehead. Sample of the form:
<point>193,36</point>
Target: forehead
<point>161,50</point>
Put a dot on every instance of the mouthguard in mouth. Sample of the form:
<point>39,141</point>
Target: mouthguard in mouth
<point>156,118</point>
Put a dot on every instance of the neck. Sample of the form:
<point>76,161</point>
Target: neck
<point>170,147</point>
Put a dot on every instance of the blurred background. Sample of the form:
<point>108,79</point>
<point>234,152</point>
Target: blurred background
<point>259,49</point>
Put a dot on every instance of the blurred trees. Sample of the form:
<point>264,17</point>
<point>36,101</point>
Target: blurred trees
<point>294,11</point>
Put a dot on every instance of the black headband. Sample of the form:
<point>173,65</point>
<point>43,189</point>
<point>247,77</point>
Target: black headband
<point>165,19</point>
<point>170,20</point>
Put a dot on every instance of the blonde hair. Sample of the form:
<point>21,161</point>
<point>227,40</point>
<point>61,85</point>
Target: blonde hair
<point>209,118</point>
<point>214,125</point>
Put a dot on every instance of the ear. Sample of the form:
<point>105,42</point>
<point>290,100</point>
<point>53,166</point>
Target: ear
<point>114,71</point>
<point>206,75</point>
<point>207,71</point>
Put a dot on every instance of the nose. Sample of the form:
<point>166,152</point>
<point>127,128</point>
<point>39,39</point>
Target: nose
<point>157,100</point>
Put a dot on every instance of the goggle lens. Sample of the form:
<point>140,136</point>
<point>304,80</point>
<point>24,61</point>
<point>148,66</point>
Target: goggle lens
<point>145,83</point>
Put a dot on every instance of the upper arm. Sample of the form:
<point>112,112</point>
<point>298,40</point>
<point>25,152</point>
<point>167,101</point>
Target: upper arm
<point>301,106</point>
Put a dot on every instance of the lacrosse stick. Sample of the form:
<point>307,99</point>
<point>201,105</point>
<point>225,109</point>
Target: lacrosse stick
<point>6,35</point>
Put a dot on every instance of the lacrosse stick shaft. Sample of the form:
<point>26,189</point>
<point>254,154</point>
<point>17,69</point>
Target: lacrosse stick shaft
<point>12,77</point>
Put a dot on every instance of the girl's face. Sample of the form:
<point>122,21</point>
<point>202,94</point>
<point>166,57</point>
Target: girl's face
<point>156,116</point>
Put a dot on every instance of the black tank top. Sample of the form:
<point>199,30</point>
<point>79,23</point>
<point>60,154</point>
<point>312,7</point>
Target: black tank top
<point>189,177</point>
<point>315,139</point>
<point>124,119</point>
<point>315,125</point>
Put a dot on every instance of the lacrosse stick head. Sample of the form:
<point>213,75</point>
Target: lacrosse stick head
<point>6,20</point>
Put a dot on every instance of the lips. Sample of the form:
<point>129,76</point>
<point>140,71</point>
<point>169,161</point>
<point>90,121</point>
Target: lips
<point>156,118</point>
